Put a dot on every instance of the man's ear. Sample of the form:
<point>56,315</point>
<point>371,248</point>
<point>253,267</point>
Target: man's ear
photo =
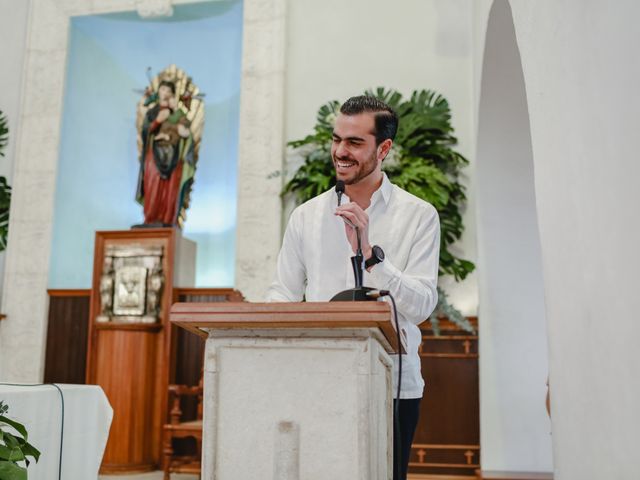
<point>384,147</point>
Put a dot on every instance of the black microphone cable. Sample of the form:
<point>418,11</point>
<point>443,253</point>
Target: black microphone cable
<point>396,407</point>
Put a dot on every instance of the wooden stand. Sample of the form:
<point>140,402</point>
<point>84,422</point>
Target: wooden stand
<point>295,389</point>
<point>130,360</point>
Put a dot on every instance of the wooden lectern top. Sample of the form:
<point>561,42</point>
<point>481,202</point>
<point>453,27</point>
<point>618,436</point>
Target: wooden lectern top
<point>199,317</point>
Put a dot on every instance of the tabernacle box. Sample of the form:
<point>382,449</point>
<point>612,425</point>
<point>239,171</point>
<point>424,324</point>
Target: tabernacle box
<point>295,390</point>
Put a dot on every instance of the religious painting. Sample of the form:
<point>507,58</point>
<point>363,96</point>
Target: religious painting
<point>129,297</point>
<point>131,284</point>
<point>170,121</point>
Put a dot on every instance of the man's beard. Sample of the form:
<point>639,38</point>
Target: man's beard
<point>363,169</point>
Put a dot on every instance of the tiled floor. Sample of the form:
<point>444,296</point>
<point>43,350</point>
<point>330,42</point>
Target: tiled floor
<point>148,476</point>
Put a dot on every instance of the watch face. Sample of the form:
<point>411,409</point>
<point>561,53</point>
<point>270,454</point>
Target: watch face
<point>377,256</point>
<point>378,253</point>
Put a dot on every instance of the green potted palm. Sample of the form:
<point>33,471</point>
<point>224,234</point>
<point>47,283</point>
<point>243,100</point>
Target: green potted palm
<point>422,162</point>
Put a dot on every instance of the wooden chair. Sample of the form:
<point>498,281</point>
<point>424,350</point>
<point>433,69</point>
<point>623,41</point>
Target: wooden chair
<point>188,359</point>
<point>179,428</point>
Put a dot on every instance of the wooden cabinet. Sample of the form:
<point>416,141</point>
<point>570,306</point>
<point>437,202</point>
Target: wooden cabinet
<point>129,351</point>
<point>447,439</point>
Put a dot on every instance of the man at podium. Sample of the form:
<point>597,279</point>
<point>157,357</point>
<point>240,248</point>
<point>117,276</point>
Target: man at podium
<point>399,236</point>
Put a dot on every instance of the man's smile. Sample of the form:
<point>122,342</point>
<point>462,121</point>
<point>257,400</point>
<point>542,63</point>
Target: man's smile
<point>345,164</point>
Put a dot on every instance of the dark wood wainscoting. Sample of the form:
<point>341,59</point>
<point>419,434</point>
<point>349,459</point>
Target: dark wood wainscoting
<point>447,440</point>
<point>66,354</point>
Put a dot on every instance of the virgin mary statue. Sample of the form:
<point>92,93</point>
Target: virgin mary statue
<point>169,123</point>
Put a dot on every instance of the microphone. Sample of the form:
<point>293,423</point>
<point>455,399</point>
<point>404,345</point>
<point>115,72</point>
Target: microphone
<point>359,293</point>
<point>358,259</point>
<point>339,190</point>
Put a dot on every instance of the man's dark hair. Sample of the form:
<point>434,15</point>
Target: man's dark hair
<point>167,83</point>
<point>386,120</point>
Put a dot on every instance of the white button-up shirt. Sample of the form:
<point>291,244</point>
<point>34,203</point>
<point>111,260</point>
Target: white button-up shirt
<point>314,262</point>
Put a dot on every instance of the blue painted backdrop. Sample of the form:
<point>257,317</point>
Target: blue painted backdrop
<point>98,160</point>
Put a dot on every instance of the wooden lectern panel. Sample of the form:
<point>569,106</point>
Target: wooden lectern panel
<point>199,317</point>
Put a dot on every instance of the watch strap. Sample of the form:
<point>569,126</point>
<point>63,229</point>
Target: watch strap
<point>374,259</point>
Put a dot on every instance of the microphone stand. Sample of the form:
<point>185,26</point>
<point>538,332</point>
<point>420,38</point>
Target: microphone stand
<point>358,293</point>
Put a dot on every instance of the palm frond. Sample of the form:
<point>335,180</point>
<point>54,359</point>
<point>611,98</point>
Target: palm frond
<point>4,133</point>
<point>5,189</point>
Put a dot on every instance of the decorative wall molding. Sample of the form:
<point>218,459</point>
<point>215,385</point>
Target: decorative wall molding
<point>154,8</point>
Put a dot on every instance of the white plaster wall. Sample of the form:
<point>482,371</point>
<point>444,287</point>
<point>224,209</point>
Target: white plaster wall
<point>581,77</point>
<point>480,20</point>
<point>337,49</point>
<point>515,433</point>
<point>13,29</point>
<point>24,299</point>
<point>583,73</point>
<point>261,145</point>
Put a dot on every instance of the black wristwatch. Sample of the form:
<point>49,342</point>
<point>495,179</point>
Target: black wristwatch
<point>377,256</point>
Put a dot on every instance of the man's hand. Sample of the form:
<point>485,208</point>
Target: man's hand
<point>351,212</point>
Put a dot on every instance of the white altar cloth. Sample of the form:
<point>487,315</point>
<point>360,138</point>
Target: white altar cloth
<point>87,419</point>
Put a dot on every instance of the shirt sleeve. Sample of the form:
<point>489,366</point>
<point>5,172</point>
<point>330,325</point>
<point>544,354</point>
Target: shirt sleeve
<point>415,287</point>
<point>290,279</point>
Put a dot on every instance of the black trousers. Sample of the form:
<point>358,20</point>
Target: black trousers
<point>408,410</point>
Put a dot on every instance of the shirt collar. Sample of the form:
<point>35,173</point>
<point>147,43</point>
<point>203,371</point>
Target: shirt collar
<point>383,191</point>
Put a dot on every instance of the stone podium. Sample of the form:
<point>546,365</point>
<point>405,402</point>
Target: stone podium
<point>295,390</point>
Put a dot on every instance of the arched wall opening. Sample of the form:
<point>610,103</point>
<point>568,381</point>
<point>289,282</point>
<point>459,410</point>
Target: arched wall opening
<point>515,429</point>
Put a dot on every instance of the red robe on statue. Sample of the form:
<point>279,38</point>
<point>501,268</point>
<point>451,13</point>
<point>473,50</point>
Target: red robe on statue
<point>160,195</point>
